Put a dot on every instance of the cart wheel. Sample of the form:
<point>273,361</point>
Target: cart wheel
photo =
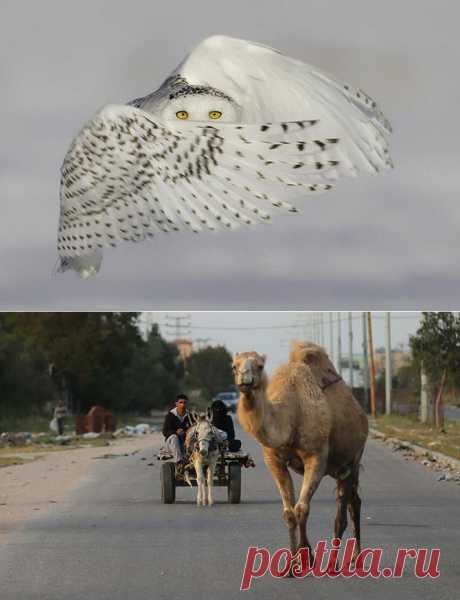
<point>234,483</point>
<point>168,483</point>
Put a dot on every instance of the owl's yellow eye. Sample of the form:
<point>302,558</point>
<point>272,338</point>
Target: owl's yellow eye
<point>215,114</point>
<point>182,114</point>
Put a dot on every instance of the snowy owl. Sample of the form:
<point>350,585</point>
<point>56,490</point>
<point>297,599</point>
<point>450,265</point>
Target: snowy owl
<point>235,133</point>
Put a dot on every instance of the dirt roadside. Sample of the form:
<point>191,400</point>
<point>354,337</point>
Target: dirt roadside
<point>31,489</point>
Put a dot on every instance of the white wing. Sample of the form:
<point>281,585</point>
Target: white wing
<point>270,86</point>
<point>128,176</point>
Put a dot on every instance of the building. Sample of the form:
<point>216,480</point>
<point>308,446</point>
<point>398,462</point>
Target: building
<point>185,347</point>
<point>398,359</point>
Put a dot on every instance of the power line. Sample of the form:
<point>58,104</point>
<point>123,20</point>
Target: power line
<point>356,317</point>
<point>179,327</point>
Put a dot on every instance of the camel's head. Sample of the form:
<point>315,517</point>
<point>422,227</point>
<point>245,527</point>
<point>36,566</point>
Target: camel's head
<point>248,369</point>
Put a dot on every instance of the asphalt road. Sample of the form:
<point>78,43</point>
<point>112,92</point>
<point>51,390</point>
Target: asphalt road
<point>113,539</point>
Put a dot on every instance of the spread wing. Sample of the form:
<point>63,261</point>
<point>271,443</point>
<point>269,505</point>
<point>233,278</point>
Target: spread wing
<point>273,87</point>
<point>127,175</point>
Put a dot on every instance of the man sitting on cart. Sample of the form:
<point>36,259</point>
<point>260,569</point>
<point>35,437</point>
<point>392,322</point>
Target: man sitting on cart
<point>175,426</point>
<point>224,422</point>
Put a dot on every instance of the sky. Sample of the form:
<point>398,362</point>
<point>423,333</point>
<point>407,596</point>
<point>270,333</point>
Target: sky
<point>271,333</point>
<point>384,242</point>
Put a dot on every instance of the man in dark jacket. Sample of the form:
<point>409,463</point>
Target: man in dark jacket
<point>175,426</point>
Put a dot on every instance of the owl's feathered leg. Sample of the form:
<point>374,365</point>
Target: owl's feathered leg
<point>86,266</point>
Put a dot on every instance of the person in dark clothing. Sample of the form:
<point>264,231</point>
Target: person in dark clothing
<point>224,422</point>
<point>60,412</point>
<point>175,426</point>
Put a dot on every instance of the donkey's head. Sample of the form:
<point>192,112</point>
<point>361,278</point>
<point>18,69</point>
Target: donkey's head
<point>205,434</point>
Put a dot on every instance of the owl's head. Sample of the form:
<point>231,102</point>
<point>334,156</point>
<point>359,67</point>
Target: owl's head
<point>201,103</point>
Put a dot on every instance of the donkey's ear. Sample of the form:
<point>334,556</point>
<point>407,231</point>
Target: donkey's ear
<point>193,417</point>
<point>209,414</point>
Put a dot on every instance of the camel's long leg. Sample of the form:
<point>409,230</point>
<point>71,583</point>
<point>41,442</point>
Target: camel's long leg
<point>314,470</point>
<point>283,480</point>
<point>348,497</point>
<point>343,498</point>
<point>354,508</point>
<point>211,469</point>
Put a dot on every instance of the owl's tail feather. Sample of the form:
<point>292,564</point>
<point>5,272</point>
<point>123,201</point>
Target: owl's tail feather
<point>86,266</point>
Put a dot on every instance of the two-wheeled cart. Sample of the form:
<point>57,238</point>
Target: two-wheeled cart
<point>227,473</point>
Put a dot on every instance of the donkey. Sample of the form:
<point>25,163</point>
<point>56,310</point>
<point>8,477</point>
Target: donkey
<point>202,442</point>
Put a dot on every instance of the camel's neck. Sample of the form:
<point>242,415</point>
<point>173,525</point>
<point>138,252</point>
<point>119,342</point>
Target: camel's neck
<point>254,412</point>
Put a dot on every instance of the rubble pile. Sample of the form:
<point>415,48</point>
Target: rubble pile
<point>132,430</point>
<point>44,439</point>
<point>448,468</point>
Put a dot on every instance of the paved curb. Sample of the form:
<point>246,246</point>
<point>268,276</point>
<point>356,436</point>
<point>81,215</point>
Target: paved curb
<point>418,450</point>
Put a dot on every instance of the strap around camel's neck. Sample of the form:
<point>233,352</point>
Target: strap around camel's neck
<point>328,383</point>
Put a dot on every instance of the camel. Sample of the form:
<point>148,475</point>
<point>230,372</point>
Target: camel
<point>306,419</point>
<point>202,441</point>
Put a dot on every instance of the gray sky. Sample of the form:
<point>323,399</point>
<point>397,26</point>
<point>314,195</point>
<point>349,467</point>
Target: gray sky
<point>271,332</point>
<point>383,242</point>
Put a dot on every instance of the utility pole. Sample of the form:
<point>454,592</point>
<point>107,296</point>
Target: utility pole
<point>339,344</point>
<point>372,369</point>
<point>388,364</point>
<point>331,336</point>
<point>350,347</point>
<point>365,363</point>
<point>423,396</point>
<point>178,326</point>
<point>314,326</point>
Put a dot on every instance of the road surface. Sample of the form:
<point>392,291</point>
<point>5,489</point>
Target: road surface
<point>112,539</point>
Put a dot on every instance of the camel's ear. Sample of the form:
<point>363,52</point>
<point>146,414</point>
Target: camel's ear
<point>264,358</point>
<point>311,359</point>
<point>236,355</point>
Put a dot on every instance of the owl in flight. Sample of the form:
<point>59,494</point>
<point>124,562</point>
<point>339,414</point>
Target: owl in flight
<point>237,132</point>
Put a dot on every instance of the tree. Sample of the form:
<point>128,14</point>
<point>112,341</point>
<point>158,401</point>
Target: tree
<point>88,352</point>
<point>437,345</point>
<point>24,380</point>
<point>87,358</point>
<point>210,369</point>
<point>153,377</point>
